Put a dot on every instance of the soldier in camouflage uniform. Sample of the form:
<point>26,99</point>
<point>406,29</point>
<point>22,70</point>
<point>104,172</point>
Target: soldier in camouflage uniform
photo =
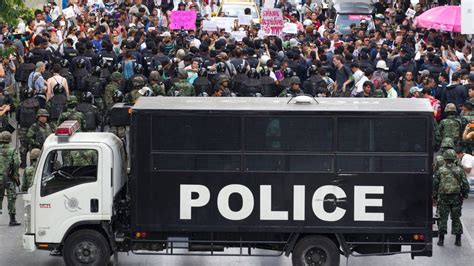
<point>119,131</point>
<point>138,82</point>
<point>450,187</point>
<point>8,175</point>
<point>80,157</point>
<point>182,86</point>
<point>451,126</point>
<point>294,89</point>
<point>378,93</point>
<point>156,83</point>
<point>467,114</point>
<point>446,144</point>
<point>29,172</point>
<point>71,113</point>
<point>114,85</point>
<point>39,131</point>
<point>25,116</point>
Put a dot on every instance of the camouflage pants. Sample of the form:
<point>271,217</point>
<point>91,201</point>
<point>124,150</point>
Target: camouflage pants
<point>450,204</point>
<point>119,131</point>
<point>11,196</point>
<point>23,145</point>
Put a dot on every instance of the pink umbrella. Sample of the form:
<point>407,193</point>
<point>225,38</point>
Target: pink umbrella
<point>445,18</point>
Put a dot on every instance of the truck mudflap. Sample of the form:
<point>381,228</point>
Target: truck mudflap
<point>422,251</point>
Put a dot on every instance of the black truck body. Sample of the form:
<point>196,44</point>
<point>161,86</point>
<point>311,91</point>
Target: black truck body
<point>265,172</point>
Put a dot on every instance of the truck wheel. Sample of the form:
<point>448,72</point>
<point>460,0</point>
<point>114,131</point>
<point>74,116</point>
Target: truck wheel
<point>86,247</point>
<point>315,250</point>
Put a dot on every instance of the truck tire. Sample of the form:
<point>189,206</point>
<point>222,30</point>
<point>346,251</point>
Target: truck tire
<point>315,250</point>
<point>86,247</point>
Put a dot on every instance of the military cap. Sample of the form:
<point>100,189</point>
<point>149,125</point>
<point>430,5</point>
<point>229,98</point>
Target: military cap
<point>138,81</point>
<point>447,143</point>
<point>182,73</point>
<point>155,75</point>
<point>449,154</point>
<point>72,101</point>
<point>223,78</point>
<point>116,76</point>
<point>295,80</point>
<point>450,107</point>
<point>35,153</point>
<point>42,112</point>
<point>5,137</point>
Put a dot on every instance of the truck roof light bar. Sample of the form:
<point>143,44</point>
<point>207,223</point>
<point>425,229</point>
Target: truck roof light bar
<point>67,128</point>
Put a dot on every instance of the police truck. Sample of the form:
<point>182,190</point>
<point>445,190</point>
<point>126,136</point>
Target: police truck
<point>316,179</point>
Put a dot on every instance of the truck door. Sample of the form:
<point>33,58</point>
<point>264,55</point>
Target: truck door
<point>70,191</point>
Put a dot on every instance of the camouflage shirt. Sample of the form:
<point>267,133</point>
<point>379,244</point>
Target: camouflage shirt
<point>28,176</point>
<point>8,159</point>
<point>158,89</point>
<point>450,127</point>
<point>109,94</point>
<point>182,88</point>
<point>37,134</point>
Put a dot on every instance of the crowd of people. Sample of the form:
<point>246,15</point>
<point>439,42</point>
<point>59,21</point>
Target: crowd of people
<point>60,66</point>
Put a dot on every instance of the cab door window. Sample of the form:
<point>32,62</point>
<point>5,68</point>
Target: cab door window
<point>68,168</point>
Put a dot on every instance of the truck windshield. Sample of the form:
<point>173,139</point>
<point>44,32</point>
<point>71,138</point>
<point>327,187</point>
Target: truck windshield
<point>67,168</point>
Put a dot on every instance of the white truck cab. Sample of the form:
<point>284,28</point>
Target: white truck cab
<point>76,180</point>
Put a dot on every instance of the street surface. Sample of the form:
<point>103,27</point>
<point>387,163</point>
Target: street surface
<point>12,253</point>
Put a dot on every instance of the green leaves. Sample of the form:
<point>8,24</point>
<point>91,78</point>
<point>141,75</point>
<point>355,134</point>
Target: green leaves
<point>12,10</point>
<point>6,52</point>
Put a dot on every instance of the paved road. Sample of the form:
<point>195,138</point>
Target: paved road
<point>11,252</point>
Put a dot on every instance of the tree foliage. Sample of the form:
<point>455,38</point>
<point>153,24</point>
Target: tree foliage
<point>12,10</point>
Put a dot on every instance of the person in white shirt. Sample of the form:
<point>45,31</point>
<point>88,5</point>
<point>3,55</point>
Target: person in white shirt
<point>467,164</point>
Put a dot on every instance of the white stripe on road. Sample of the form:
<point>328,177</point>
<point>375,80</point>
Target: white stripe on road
<point>468,235</point>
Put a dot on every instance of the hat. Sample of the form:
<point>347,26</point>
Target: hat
<point>467,104</point>
<point>380,16</point>
<point>381,64</point>
<point>131,25</point>
<point>471,76</point>
<point>425,72</point>
<point>166,34</point>
<point>415,89</point>
<point>294,42</point>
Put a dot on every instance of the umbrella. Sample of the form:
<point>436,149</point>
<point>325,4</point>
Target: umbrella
<point>445,18</point>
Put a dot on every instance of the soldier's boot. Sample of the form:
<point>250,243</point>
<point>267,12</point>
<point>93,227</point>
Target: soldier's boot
<point>441,240</point>
<point>13,221</point>
<point>458,240</point>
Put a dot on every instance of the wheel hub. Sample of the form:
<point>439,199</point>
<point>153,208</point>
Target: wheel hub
<point>85,252</point>
<point>316,256</point>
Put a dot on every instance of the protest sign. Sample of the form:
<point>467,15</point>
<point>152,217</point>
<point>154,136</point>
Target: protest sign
<point>226,23</point>
<point>410,13</point>
<point>209,25</point>
<point>245,20</point>
<point>238,35</point>
<point>272,21</point>
<point>69,13</point>
<point>290,28</point>
<point>185,20</point>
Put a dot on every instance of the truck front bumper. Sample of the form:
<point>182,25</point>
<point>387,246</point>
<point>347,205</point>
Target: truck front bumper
<point>29,242</point>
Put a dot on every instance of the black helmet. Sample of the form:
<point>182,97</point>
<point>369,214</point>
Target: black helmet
<point>28,92</point>
<point>29,58</point>
<point>119,67</point>
<point>253,73</point>
<point>64,63</point>
<point>81,63</point>
<point>96,71</point>
<point>288,73</point>
<point>220,67</point>
<point>242,68</point>
<point>87,97</point>
<point>118,96</point>
<point>202,72</point>
<point>138,69</point>
<point>265,72</point>
<point>312,70</point>
<point>159,68</point>
<point>104,62</point>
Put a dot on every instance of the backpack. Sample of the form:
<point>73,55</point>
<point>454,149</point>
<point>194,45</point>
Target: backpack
<point>95,85</point>
<point>88,111</point>
<point>450,95</point>
<point>449,181</point>
<point>451,128</point>
<point>57,105</point>
<point>58,87</point>
<point>23,72</point>
<point>28,113</point>
<point>377,79</point>
<point>80,80</point>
